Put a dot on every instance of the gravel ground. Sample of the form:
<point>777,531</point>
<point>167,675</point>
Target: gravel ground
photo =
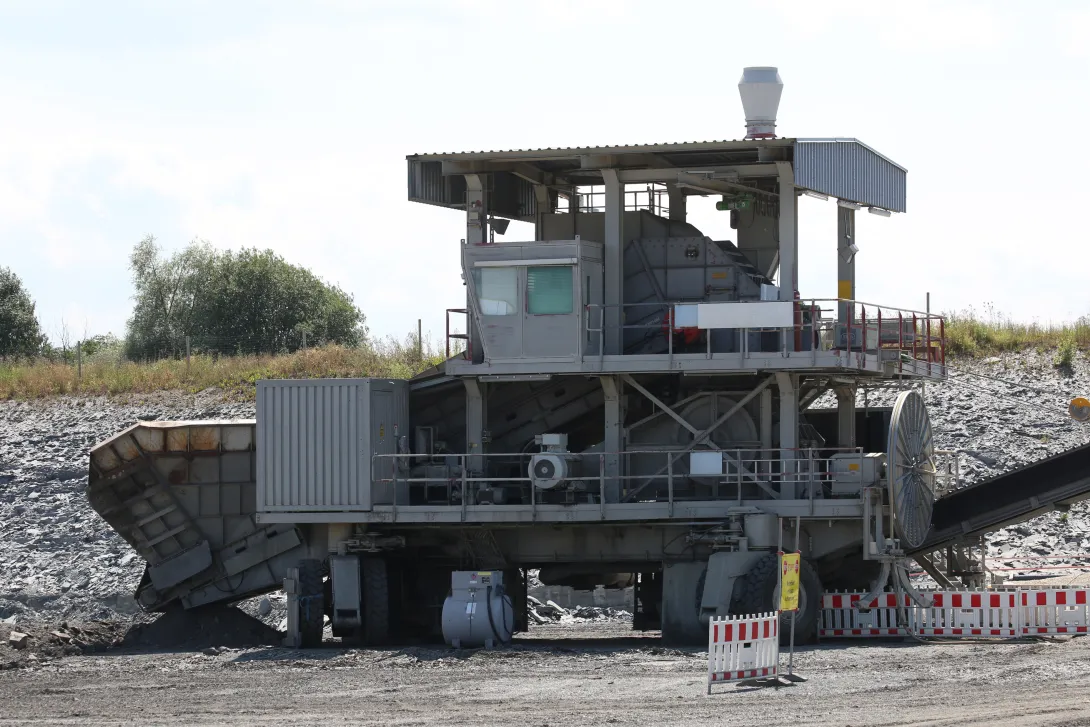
<point>557,676</point>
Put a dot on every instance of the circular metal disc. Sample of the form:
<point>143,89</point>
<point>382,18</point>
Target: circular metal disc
<point>911,469</point>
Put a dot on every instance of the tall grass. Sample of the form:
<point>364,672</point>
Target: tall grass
<point>236,375</point>
<point>971,334</point>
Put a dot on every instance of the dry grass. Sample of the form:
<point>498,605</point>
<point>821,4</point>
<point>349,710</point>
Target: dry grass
<point>236,375</point>
<point>968,334</point>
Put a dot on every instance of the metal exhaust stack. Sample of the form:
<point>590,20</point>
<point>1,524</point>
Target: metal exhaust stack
<point>760,89</point>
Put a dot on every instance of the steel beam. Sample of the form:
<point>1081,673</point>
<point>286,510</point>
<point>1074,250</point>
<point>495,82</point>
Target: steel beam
<point>474,425</point>
<point>614,261</point>
<point>657,402</point>
<point>613,442</point>
<point>702,436</point>
<point>669,174</point>
<point>677,202</point>
<point>845,260</point>
<point>789,429</point>
<point>788,229</point>
<point>845,416</point>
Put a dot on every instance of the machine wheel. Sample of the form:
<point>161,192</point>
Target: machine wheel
<point>376,601</point>
<point>759,593</point>
<point>311,603</point>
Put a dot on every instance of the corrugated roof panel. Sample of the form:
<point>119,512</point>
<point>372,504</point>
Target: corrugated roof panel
<point>849,170</point>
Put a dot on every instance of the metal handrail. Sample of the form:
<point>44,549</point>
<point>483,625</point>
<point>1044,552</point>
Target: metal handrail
<point>914,329</point>
<point>800,466</point>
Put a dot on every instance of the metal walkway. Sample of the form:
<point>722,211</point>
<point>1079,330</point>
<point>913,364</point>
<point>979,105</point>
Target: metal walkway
<point>1009,498</point>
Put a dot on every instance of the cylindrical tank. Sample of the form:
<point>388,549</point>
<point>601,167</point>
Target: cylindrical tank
<point>478,612</point>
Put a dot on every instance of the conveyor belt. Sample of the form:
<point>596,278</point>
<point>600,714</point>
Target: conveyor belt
<point>1010,498</point>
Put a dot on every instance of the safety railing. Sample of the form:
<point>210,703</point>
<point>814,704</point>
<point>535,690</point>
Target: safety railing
<point>947,472</point>
<point>819,324</point>
<point>454,336</point>
<point>916,336</point>
<point>665,476</point>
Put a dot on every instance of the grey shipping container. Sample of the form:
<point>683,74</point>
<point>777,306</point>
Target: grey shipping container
<point>316,439</point>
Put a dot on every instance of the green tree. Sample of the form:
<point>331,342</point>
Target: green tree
<point>166,293</point>
<point>20,332</point>
<point>250,301</point>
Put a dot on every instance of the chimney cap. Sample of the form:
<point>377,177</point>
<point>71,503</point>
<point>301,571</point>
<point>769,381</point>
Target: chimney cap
<point>760,88</point>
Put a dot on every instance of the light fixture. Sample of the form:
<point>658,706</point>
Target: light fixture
<point>849,205</point>
<point>878,211</point>
<point>499,224</point>
<point>848,252</point>
<point>815,195</point>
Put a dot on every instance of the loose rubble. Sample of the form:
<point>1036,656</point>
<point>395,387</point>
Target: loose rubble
<point>60,563</point>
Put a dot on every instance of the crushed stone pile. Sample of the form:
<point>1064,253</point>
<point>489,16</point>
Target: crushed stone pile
<point>60,563</point>
<point>58,559</point>
<point>551,612</point>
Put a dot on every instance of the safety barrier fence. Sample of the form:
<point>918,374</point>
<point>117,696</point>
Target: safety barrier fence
<point>743,647</point>
<point>957,614</point>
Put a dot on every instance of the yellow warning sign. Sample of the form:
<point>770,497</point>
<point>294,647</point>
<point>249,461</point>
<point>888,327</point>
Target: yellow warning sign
<point>789,581</point>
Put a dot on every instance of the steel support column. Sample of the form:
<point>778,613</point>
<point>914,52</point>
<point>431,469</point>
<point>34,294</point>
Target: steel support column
<point>613,441</point>
<point>788,235</point>
<point>614,261</point>
<point>676,197</point>
<point>845,260</point>
<point>845,416</point>
<point>474,424</point>
<point>789,431</point>
<point>476,234</point>
<point>544,207</point>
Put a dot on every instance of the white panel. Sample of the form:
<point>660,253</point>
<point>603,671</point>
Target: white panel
<point>705,463</point>
<point>526,263</point>
<point>685,315</point>
<point>765,314</point>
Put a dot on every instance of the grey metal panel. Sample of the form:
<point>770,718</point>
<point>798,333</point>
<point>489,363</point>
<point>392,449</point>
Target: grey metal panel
<point>850,170</point>
<point>315,441</point>
<point>561,152</point>
<point>510,196</point>
<point>427,184</point>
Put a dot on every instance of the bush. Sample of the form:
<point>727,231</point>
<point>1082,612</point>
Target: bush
<point>245,303</point>
<point>968,334</point>
<point>1065,352</point>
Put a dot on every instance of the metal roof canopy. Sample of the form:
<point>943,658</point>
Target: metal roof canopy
<point>843,168</point>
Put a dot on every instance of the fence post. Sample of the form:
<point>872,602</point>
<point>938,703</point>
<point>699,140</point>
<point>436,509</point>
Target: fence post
<point>79,360</point>
<point>187,357</point>
<point>304,340</point>
<point>419,339</point>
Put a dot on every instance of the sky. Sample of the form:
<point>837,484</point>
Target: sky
<point>285,125</point>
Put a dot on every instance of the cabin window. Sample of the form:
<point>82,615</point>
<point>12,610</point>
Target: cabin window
<point>549,290</point>
<point>497,290</point>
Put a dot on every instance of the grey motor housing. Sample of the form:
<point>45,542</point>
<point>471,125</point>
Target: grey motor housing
<point>477,612</point>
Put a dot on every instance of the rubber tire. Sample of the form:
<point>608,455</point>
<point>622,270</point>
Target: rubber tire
<point>311,603</point>
<point>376,601</point>
<point>757,595</point>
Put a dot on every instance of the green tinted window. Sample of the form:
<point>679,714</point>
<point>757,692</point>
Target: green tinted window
<point>549,290</point>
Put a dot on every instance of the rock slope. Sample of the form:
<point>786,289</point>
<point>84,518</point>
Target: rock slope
<point>59,561</point>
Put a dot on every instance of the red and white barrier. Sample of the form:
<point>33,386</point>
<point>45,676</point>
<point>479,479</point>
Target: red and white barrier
<point>841,617</point>
<point>743,647</point>
<point>956,614</point>
<point>959,614</point>
<point>1055,611</point>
